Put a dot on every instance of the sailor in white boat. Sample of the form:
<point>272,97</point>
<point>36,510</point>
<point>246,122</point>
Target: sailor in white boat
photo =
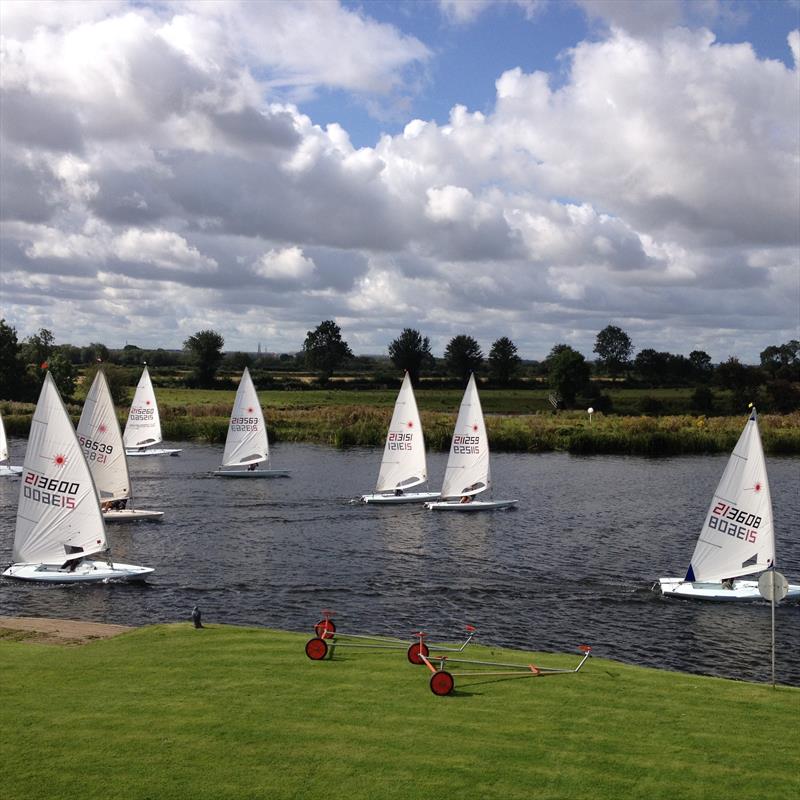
<point>727,583</point>
<point>398,492</point>
<point>252,468</point>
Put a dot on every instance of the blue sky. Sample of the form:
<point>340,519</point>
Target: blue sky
<point>532,169</point>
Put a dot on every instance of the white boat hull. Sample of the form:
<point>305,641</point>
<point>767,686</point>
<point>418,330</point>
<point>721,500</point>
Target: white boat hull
<point>158,451</point>
<point>7,471</point>
<point>130,515</point>
<point>474,505</point>
<point>86,572</point>
<point>396,499</point>
<point>252,473</point>
<point>742,590</point>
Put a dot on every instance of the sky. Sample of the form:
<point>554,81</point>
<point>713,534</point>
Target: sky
<point>536,169</point>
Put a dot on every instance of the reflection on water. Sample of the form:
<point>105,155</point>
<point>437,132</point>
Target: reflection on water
<point>573,563</point>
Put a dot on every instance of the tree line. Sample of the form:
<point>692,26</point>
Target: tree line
<point>572,379</point>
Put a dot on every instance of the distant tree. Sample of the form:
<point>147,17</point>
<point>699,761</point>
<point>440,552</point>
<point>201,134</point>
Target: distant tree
<point>12,367</point>
<point>63,372</point>
<point>325,350</point>
<point>568,373</point>
<point>238,361</point>
<point>503,360</point>
<point>614,348</point>
<point>205,348</point>
<point>741,380</point>
<point>37,348</point>
<point>94,353</point>
<point>782,361</point>
<point>411,351</point>
<point>131,355</point>
<point>783,396</point>
<point>702,367</point>
<point>463,356</point>
<point>703,400</point>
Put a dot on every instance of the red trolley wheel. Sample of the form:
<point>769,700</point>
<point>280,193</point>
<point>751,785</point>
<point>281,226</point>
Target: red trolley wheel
<point>316,649</point>
<point>442,683</point>
<point>415,650</point>
<point>325,628</point>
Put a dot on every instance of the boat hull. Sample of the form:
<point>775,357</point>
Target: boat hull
<point>161,451</point>
<point>87,572</point>
<point>742,591</point>
<point>252,473</point>
<point>131,515</point>
<point>7,471</point>
<point>393,499</point>
<point>474,505</point>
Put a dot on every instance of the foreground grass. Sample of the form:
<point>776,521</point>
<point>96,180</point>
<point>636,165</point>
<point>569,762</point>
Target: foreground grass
<point>226,712</point>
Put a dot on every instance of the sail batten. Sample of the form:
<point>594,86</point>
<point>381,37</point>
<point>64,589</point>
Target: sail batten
<point>403,464</point>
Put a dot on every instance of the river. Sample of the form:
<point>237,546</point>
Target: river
<point>573,564</point>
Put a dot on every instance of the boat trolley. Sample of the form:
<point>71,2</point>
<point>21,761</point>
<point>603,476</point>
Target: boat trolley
<point>327,639</point>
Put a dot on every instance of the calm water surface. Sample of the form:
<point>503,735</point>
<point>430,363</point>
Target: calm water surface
<point>573,564</point>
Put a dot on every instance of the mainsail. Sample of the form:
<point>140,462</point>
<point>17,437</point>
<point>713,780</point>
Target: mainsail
<point>403,464</point>
<point>144,424</point>
<point>247,433</point>
<point>468,470</point>
<point>3,441</point>
<point>101,439</point>
<point>738,536</point>
<point>58,516</point>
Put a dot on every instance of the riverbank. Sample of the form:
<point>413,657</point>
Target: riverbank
<point>168,711</point>
<point>567,431</point>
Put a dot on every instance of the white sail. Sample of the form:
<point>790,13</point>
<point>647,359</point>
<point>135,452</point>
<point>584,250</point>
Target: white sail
<point>738,534</point>
<point>403,462</point>
<point>58,514</point>
<point>468,471</point>
<point>144,424</point>
<point>247,433</point>
<point>100,436</point>
<point>3,441</point>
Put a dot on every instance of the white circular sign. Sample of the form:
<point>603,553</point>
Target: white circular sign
<point>773,584</point>
<point>590,410</point>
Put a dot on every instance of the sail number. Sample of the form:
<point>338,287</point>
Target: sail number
<point>141,414</point>
<point>735,522</point>
<point>466,445</point>
<point>244,423</point>
<point>399,441</point>
<point>50,491</point>
<point>94,445</point>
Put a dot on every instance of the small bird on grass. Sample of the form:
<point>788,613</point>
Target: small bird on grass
<point>196,617</point>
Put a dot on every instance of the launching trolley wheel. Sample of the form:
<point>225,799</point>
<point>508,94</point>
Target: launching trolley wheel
<point>416,650</point>
<point>442,683</point>
<point>316,649</point>
<point>325,628</point>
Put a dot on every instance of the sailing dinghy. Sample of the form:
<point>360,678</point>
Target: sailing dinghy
<point>468,472</point>
<point>101,439</point>
<point>246,445</point>
<point>143,429</point>
<point>738,535</point>
<point>6,470</point>
<point>403,465</point>
<point>59,524</point>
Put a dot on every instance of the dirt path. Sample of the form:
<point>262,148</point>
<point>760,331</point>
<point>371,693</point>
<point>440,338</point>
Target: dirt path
<point>56,631</point>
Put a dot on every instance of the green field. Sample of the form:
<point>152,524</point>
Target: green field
<point>226,712</point>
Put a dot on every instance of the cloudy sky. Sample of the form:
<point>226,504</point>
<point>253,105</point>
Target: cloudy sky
<point>532,169</point>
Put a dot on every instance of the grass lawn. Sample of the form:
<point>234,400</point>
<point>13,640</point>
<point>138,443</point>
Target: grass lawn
<point>227,712</point>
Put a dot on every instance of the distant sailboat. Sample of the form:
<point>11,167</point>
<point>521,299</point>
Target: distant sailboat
<point>143,429</point>
<point>6,470</point>
<point>59,524</point>
<point>403,465</point>
<point>246,445</point>
<point>738,535</point>
<point>468,472</point>
<point>101,439</point>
